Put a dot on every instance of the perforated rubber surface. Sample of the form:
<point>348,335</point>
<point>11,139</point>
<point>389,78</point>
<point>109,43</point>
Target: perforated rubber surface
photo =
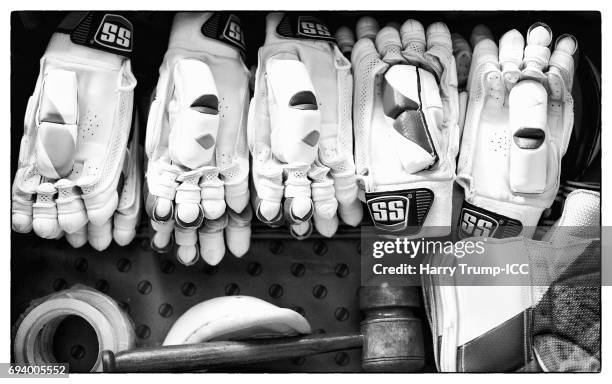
<point>317,277</point>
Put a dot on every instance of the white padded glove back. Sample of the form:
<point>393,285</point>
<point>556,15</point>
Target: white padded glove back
<point>406,133</point>
<point>517,128</point>
<point>76,130</point>
<point>197,176</point>
<point>300,129</point>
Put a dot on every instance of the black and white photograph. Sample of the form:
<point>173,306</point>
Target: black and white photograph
<point>212,189</point>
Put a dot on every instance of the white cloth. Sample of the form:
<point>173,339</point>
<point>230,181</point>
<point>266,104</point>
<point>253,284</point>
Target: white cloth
<point>196,144</point>
<point>518,123</point>
<point>73,150</point>
<point>406,134</point>
<point>300,133</point>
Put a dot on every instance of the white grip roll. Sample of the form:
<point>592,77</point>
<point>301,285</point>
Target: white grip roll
<point>33,343</point>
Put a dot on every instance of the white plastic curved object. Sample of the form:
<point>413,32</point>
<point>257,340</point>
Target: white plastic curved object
<point>33,343</point>
<point>235,317</point>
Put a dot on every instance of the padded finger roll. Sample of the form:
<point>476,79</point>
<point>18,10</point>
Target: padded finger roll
<point>561,66</point>
<point>44,221</point>
<point>323,193</point>
<point>402,103</point>
<point>194,115</point>
<point>78,238</point>
<point>511,46</point>
<point>537,53</point>
<point>301,230</point>
<point>236,186</point>
<point>238,231</point>
<point>71,213</point>
<point>186,239</point>
<point>528,147</point>
<point>213,197</point>
<point>413,40</point>
<point>346,40</point>
<point>463,58</point>
<point>439,44</point>
<point>189,213</point>
<point>160,191</point>
<point>57,124</point>
<point>21,219</point>
<point>325,203</point>
<point>367,28</point>
<point>212,245</point>
<point>100,236</point>
<point>162,240</point>
<point>294,112</point>
<point>479,33</point>
<point>389,45</point>
<point>298,206</point>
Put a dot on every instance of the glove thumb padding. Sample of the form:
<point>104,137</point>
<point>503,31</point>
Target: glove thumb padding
<point>528,147</point>
<point>57,127</point>
<point>194,115</point>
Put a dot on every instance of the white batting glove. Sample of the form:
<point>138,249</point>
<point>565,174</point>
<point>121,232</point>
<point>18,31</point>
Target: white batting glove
<point>197,176</point>
<point>299,129</point>
<point>406,134</point>
<point>517,128</point>
<point>76,131</point>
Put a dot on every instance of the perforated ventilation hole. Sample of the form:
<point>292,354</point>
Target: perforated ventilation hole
<point>211,176</point>
<point>47,198</point>
<point>89,125</point>
<point>416,47</point>
<point>499,141</point>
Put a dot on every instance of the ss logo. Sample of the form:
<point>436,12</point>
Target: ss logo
<point>233,31</point>
<point>311,27</point>
<point>112,33</point>
<point>115,32</point>
<point>389,212</point>
<point>476,224</point>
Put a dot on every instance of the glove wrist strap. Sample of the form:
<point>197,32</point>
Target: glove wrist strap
<point>106,32</point>
<point>217,33</point>
<point>60,45</point>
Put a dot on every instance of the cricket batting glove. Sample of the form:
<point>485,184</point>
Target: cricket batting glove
<point>405,115</point>
<point>197,175</point>
<point>517,128</point>
<point>548,318</point>
<point>77,123</point>
<point>299,131</point>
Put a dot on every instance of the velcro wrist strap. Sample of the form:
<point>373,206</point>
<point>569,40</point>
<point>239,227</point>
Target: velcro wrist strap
<point>107,32</point>
<point>303,27</point>
<point>225,27</point>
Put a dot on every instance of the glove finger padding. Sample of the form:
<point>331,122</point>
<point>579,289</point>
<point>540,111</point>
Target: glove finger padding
<point>519,119</point>
<point>196,137</point>
<point>300,121</point>
<point>127,216</point>
<point>76,129</point>
<point>406,133</point>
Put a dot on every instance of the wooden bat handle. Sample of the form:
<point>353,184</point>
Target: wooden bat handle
<point>192,357</point>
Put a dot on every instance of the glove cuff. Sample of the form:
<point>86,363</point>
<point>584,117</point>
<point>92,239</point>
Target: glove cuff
<point>61,45</point>
<point>216,33</point>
